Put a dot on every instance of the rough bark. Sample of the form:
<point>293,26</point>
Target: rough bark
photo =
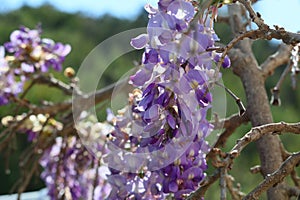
<point>258,108</point>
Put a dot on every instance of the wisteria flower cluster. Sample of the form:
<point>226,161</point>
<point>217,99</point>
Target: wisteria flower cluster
<point>28,54</point>
<point>34,125</point>
<point>8,83</point>
<point>158,145</point>
<point>64,165</point>
<point>155,147</point>
<point>70,170</point>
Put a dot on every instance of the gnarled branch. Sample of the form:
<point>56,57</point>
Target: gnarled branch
<point>259,131</point>
<point>272,179</point>
<point>281,57</point>
<point>230,124</point>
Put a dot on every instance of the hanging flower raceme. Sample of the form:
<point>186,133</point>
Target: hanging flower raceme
<point>24,55</point>
<point>70,170</point>
<point>158,144</point>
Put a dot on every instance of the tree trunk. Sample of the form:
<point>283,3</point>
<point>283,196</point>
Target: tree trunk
<point>246,67</point>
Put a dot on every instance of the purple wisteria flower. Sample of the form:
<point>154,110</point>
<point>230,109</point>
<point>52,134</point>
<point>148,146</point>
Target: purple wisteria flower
<point>8,83</point>
<point>70,171</point>
<point>35,53</point>
<point>62,175</point>
<point>226,62</point>
<point>9,87</point>
<point>27,53</point>
<point>166,117</point>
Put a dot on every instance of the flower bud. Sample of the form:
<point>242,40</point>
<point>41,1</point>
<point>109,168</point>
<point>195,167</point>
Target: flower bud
<point>69,72</point>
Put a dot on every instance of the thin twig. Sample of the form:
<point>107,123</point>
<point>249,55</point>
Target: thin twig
<point>252,34</point>
<point>275,100</point>
<point>238,101</point>
<point>84,102</point>
<point>229,46</point>
<point>27,89</point>
<point>236,194</point>
<point>53,82</point>
<point>268,33</point>
<point>230,124</point>
<point>208,181</point>
<point>256,18</point>
<point>8,133</point>
<point>284,153</point>
<point>234,120</point>
<point>223,192</point>
<point>27,178</point>
<point>295,178</point>
<point>255,169</point>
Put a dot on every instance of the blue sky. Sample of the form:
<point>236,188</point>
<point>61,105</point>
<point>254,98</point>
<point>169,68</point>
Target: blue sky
<point>280,12</point>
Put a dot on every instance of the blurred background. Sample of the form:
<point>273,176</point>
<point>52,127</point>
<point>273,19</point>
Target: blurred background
<point>84,24</point>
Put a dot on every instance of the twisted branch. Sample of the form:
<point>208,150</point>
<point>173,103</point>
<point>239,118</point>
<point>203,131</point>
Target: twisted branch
<point>268,33</point>
<point>281,57</point>
<point>257,132</point>
<point>272,179</point>
<point>253,135</point>
<point>230,124</point>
